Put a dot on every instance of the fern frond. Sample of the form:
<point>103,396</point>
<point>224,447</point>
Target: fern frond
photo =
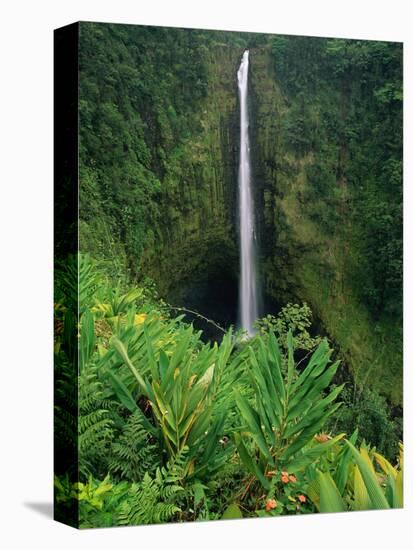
<point>95,424</point>
<point>176,467</point>
<point>151,501</point>
<point>133,454</point>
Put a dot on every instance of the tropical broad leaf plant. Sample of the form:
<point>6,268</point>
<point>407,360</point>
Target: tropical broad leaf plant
<point>181,387</point>
<point>364,488</point>
<point>287,409</point>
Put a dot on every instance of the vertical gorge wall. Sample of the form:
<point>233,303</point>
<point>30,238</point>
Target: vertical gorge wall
<point>159,154</point>
<point>320,153</point>
<point>197,242</point>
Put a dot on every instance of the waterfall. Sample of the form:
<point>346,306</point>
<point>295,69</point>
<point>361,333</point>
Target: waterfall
<point>248,297</point>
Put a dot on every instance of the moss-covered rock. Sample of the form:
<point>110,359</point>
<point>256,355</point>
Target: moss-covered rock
<point>310,240</point>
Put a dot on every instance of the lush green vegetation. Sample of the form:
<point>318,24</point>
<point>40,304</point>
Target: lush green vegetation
<point>171,414</point>
<point>172,428</point>
<point>158,142</point>
<point>333,196</point>
<point>352,125</point>
<point>151,158</point>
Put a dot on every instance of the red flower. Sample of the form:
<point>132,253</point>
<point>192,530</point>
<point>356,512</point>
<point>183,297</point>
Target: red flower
<point>270,504</point>
<point>302,498</point>
<point>322,438</point>
<point>293,479</point>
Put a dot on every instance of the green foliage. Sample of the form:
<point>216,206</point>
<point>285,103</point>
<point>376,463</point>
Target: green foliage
<point>65,412</point>
<point>224,488</point>
<point>369,412</point>
<point>333,177</point>
<point>138,393</point>
<point>93,492</point>
<point>149,502</point>
<point>98,501</point>
<point>160,410</point>
<point>154,500</point>
<point>299,128</point>
<point>354,79</point>
<point>287,411</point>
<point>330,498</point>
<point>384,243</point>
<point>95,423</point>
<point>158,413</point>
<point>182,389</point>
<point>294,318</point>
<point>107,504</point>
<point>76,281</point>
<point>139,89</point>
<point>157,119</point>
<point>363,487</point>
<point>232,512</point>
<point>134,452</point>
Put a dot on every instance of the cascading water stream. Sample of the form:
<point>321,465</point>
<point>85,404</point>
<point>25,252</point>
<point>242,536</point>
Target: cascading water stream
<point>248,294</point>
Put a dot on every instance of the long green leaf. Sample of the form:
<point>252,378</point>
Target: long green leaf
<point>270,403</point>
<point>290,369</point>
<point>311,455</point>
<point>330,498</point>
<point>376,495</point>
<point>121,350</point>
<point>310,391</point>
<point>361,497</point>
<point>127,400</point>
<point>253,422</point>
<point>87,338</point>
<point>344,461</point>
<point>306,436</point>
<point>274,357</point>
<point>398,491</point>
<point>122,392</point>
<point>250,462</point>
<point>315,413</point>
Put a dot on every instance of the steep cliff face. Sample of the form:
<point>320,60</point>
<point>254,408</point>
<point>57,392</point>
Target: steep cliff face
<point>159,151</point>
<point>312,231</point>
<point>197,238</point>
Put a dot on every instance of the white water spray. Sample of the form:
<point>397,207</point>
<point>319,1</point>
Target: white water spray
<point>248,280</point>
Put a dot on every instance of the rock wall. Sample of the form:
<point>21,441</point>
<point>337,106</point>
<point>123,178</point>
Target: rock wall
<point>197,240</point>
<point>304,260</point>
